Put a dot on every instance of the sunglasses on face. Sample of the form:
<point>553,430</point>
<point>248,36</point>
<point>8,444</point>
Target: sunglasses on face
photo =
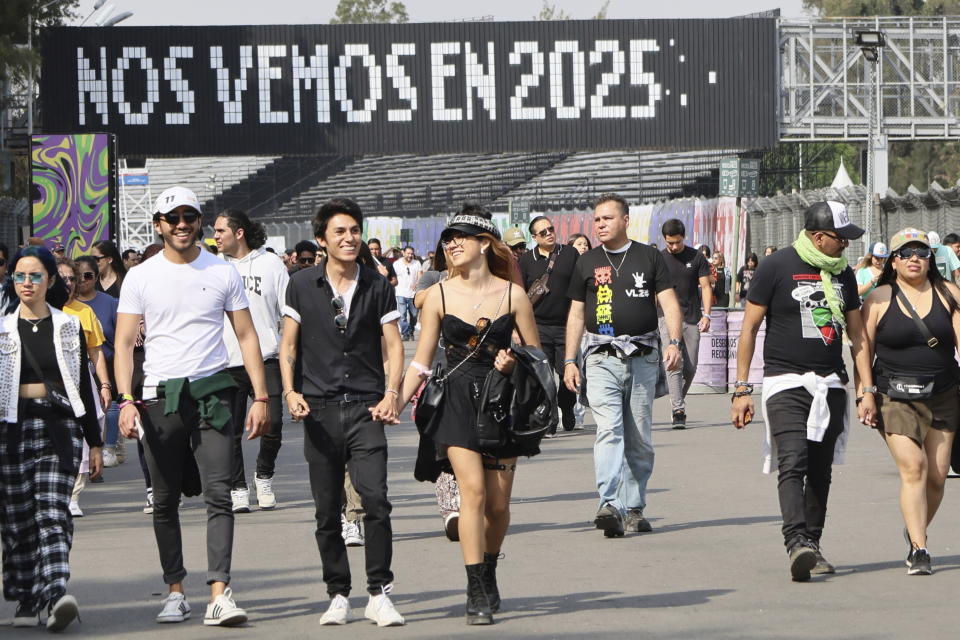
<point>98,258</point>
<point>306,260</point>
<point>479,329</point>
<point>908,252</point>
<point>340,320</point>
<point>173,219</point>
<point>453,241</point>
<point>543,233</point>
<point>835,238</point>
<point>88,275</point>
<point>69,279</point>
<point>19,277</point>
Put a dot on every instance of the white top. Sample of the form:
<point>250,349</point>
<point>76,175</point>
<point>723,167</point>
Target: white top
<point>407,274</point>
<point>182,307</point>
<point>265,280</point>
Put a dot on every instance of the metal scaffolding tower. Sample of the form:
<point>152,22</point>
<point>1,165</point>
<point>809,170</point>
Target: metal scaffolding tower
<point>135,226</point>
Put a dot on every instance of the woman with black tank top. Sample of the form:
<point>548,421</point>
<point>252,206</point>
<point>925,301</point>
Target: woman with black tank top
<point>915,403</point>
<point>476,310</point>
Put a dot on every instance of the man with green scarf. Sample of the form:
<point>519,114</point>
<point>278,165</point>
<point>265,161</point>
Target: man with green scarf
<point>808,295</point>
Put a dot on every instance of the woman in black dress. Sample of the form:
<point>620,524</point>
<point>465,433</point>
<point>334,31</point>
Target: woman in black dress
<point>476,310</point>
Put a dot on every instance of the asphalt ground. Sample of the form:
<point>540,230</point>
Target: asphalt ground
<point>714,565</point>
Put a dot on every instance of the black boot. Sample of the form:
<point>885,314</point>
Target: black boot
<point>478,606</point>
<point>490,580</point>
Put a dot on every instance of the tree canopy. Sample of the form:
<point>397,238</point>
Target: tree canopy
<point>370,12</point>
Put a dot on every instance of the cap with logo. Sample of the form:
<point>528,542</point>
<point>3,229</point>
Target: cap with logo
<point>879,250</point>
<point>831,216</point>
<point>908,235</point>
<point>514,236</point>
<point>177,197</point>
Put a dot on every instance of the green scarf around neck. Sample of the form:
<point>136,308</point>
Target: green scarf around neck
<point>828,266</point>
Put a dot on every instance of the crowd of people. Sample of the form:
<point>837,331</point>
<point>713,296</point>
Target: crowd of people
<point>513,340</point>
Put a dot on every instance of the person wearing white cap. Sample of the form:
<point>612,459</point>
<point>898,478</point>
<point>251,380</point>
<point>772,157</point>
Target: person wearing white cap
<point>869,268</point>
<point>947,261</point>
<point>182,296</point>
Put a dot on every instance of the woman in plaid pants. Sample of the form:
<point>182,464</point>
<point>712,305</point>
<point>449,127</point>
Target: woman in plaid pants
<point>47,406</point>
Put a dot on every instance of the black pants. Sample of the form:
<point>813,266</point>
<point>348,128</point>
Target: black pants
<point>166,439</point>
<point>340,435</point>
<point>805,466</point>
<point>553,343</point>
<point>269,442</point>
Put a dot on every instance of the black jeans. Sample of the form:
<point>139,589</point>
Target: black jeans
<point>805,466</point>
<point>165,440</point>
<point>269,442</point>
<point>553,343</point>
<point>340,435</point>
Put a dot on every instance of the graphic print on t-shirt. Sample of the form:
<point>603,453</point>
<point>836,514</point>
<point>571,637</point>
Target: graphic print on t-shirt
<point>603,277</point>
<point>816,319</point>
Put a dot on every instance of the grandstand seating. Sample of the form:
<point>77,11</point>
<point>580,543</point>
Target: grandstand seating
<point>207,176</point>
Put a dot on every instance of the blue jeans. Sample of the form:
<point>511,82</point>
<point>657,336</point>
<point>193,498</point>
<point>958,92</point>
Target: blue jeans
<point>407,310</point>
<point>113,425</point>
<point>621,394</point>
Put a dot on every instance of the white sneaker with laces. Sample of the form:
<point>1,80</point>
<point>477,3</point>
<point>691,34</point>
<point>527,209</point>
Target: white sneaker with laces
<point>338,612</point>
<point>241,500</point>
<point>175,608</point>
<point>75,509</point>
<point>265,497</point>
<point>352,535</point>
<point>381,610</point>
<point>110,457</point>
<point>149,508</point>
<point>224,612</point>
<point>62,613</point>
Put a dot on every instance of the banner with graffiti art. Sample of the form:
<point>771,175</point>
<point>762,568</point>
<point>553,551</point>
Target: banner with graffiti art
<point>73,190</point>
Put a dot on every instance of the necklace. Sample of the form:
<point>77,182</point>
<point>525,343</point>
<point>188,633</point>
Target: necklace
<point>622,260</point>
<point>483,296</point>
<point>33,324</point>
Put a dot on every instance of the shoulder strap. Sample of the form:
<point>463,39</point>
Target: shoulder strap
<point>510,298</point>
<point>443,299</point>
<point>932,341</point>
<point>553,259</point>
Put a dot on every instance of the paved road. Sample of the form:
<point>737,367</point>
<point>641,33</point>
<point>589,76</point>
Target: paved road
<point>713,567</point>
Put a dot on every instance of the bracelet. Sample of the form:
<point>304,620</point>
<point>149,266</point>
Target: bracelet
<point>424,372</point>
<point>126,403</point>
<point>263,400</point>
<point>288,391</point>
<point>570,361</point>
<point>393,391</point>
<point>126,397</point>
<point>106,385</point>
<point>739,394</point>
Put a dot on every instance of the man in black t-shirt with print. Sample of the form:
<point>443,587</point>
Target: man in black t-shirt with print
<point>614,293</point>
<point>808,295</point>
<point>691,279</point>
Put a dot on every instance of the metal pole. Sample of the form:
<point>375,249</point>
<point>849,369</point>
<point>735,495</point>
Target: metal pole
<point>30,74</point>
<point>871,141</point>
<point>736,245</point>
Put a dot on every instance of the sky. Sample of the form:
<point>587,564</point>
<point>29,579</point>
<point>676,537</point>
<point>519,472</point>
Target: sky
<point>200,12</point>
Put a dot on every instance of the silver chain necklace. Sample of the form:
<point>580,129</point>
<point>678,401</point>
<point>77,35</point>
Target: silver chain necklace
<point>33,324</point>
<point>622,260</point>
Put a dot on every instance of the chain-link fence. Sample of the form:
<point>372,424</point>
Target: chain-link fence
<point>14,215</point>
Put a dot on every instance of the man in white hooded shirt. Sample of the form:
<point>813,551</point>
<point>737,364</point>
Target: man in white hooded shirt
<point>265,278</point>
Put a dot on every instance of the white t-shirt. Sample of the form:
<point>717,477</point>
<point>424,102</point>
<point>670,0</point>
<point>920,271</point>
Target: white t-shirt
<point>265,279</point>
<point>407,274</point>
<point>182,307</point>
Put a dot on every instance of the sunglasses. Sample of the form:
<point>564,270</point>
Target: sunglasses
<point>174,219</point>
<point>340,320</point>
<point>480,329</point>
<point>19,277</point>
<point>88,275</point>
<point>543,233</point>
<point>908,252</point>
<point>454,241</point>
<point>306,260</point>
<point>70,279</point>
<point>835,238</point>
<point>99,257</point>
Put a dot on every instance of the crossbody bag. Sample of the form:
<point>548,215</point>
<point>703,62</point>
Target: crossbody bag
<point>56,391</point>
<point>539,287</point>
<point>906,387</point>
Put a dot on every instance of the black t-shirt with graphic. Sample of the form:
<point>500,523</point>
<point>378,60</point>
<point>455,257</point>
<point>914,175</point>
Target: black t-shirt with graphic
<point>801,335</point>
<point>686,268</point>
<point>620,299</point>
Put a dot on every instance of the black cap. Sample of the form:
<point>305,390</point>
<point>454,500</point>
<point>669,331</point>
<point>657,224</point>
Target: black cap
<point>471,225</point>
<point>831,216</point>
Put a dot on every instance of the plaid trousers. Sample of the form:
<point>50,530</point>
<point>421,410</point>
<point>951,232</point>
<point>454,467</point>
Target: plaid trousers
<point>35,522</point>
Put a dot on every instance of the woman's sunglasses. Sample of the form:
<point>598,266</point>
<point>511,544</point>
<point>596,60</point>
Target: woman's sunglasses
<point>908,252</point>
<point>19,277</point>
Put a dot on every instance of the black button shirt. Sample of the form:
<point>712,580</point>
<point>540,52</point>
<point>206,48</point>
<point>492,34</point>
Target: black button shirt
<point>553,308</point>
<point>331,363</point>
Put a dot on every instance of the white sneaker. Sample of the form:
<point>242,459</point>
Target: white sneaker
<point>75,509</point>
<point>175,608</point>
<point>241,500</point>
<point>149,508</point>
<point>381,610</point>
<point>338,612</point>
<point>110,457</point>
<point>352,535</point>
<point>265,497</point>
<point>224,612</point>
<point>62,613</point>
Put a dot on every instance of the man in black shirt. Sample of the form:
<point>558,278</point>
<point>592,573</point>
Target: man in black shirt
<point>550,310</point>
<point>306,256</point>
<point>332,367</point>
<point>614,293</point>
<point>691,279</point>
<point>808,295</point>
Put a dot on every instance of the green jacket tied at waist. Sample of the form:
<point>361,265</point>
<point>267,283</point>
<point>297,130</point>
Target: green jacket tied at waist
<point>203,390</point>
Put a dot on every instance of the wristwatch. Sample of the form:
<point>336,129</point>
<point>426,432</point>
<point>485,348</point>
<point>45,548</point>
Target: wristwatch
<point>872,389</point>
<point>746,386</point>
<point>674,342</point>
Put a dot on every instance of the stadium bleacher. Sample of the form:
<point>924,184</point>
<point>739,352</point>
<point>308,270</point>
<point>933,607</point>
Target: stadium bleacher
<point>206,176</point>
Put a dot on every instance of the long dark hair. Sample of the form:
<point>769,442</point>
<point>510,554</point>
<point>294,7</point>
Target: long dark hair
<point>57,294</point>
<point>109,249</point>
<point>576,237</point>
<point>253,232</point>
<point>937,281</point>
<point>439,263</point>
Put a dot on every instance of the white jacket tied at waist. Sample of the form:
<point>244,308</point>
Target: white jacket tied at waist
<point>817,421</point>
<point>66,342</point>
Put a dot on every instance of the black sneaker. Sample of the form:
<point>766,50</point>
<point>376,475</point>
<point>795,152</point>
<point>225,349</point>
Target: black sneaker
<point>636,523</point>
<point>906,537</point>
<point>680,419</point>
<point>823,566</point>
<point>27,615</point>
<point>803,558</point>
<point>919,560</point>
<point>610,521</point>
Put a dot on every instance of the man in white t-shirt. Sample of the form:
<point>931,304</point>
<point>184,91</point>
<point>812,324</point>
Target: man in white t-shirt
<point>408,272</point>
<point>240,241</point>
<point>182,295</point>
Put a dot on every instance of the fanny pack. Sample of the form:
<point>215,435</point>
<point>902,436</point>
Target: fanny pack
<point>539,287</point>
<point>56,391</point>
<point>905,387</point>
